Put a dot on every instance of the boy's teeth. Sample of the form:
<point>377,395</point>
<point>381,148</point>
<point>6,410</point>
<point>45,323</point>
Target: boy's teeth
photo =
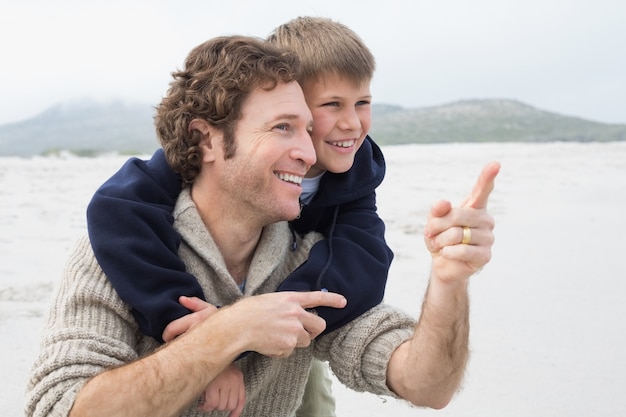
<point>344,144</point>
<point>296,179</point>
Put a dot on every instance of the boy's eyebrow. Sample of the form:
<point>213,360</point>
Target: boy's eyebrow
<point>333,97</point>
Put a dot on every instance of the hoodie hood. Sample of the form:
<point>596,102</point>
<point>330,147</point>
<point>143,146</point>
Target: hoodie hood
<point>366,174</point>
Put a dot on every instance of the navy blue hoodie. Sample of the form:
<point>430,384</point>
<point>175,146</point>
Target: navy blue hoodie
<point>131,231</point>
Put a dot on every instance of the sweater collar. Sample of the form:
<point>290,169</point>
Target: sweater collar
<point>273,246</point>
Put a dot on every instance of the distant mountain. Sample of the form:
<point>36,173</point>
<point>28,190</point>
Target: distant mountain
<point>490,120</point>
<point>89,127</point>
<point>85,127</point>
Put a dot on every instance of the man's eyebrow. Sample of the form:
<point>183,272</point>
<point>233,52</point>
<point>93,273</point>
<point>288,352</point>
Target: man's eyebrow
<point>288,116</point>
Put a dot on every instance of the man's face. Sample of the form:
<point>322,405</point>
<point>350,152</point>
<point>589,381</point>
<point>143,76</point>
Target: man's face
<point>342,117</point>
<point>274,152</point>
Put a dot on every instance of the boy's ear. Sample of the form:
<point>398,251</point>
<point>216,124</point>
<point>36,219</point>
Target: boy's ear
<point>211,139</point>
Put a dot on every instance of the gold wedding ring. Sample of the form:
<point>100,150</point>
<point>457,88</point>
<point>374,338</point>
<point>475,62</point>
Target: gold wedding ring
<point>467,235</point>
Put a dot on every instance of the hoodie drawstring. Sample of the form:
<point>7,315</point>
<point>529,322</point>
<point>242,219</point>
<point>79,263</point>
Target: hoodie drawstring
<point>329,238</point>
<point>294,241</point>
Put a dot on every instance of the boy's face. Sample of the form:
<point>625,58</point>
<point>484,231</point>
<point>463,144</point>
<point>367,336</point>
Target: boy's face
<point>342,116</point>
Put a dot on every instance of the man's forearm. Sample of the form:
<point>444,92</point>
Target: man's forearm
<point>428,369</point>
<point>161,384</point>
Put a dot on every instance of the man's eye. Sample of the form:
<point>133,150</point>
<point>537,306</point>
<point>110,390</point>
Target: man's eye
<point>282,126</point>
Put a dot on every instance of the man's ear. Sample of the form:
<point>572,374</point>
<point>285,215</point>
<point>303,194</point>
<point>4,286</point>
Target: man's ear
<point>211,141</point>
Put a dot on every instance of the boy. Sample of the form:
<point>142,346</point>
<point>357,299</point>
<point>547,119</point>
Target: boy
<point>129,217</point>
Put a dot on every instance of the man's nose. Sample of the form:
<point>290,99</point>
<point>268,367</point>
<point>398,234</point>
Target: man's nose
<point>304,149</point>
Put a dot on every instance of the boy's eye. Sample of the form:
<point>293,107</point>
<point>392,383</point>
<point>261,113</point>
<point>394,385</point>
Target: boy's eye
<point>332,104</point>
<point>362,103</point>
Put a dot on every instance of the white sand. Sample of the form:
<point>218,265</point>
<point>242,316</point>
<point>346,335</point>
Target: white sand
<point>547,335</point>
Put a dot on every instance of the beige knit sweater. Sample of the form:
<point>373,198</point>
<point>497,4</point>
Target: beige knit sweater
<point>89,329</point>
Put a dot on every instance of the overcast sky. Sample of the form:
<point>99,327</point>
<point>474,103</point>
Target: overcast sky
<point>565,56</point>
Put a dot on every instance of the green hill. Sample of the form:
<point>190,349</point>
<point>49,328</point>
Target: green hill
<point>88,128</point>
<point>485,121</point>
<point>85,128</point>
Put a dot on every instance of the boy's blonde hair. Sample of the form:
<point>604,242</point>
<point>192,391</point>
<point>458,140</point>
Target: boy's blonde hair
<point>325,47</point>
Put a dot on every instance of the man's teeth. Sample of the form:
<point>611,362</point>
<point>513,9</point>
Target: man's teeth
<point>344,144</point>
<point>296,179</point>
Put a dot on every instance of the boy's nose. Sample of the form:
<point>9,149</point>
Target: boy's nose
<point>350,120</point>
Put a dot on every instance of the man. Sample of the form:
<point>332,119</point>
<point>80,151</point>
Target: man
<point>235,125</point>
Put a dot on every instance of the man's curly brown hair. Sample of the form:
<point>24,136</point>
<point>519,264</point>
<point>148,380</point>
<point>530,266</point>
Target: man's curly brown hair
<point>217,78</point>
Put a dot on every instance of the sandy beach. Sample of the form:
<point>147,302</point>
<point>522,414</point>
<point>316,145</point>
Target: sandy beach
<point>546,338</point>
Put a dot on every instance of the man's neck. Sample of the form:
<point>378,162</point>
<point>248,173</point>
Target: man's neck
<point>235,235</point>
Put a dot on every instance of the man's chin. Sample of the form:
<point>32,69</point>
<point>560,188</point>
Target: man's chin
<point>292,211</point>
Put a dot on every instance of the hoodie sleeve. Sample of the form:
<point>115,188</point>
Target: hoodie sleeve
<point>131,230</point>
<point>354,262</point>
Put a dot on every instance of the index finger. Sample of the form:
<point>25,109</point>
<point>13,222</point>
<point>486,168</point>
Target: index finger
<point>484,185</point>
<point>314,299</point>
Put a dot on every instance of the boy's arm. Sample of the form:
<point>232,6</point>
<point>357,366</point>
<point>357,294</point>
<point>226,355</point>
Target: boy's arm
<point>357,267</point>
<point>131,231</point>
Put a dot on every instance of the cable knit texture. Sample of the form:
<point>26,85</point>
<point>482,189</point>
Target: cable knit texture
<point>88,329</point>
